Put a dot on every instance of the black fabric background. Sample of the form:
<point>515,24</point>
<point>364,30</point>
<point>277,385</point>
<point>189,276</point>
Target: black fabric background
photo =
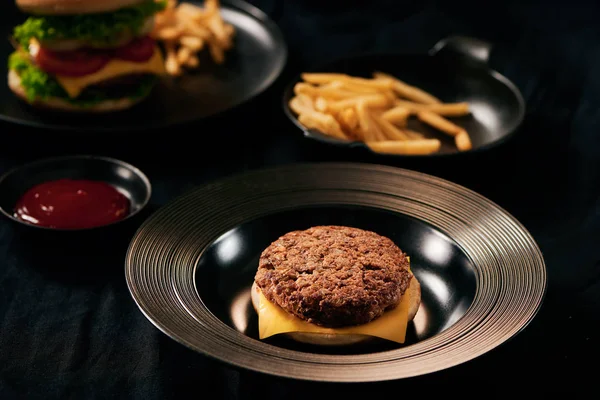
<point>70,330</point>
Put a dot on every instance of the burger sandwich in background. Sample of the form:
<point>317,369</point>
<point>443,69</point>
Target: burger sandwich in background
<point>85,55</point>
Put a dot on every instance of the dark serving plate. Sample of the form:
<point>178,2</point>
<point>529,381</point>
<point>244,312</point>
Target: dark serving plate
<point>191,265</point>
<point>256,60</point>
<point>455,70</point>
<point>446,274</point>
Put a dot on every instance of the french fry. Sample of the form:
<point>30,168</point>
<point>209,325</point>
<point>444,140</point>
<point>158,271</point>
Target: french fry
<point>215,24</point>
<point>355,82</point>
<point>305,88</point>
<point>370,100</point>
<point>364,83</point>
<point>171,64</point>
<point>361,88</point>
<point>183,55</point>
<point>185,29</point>
<point>356,87</point>
<point>365,125</point>
<point>194,43</point>
<point>396,115</point>
<point>192,11</point>
<point>324,123</point>
<point>321,78</point>
<point>164,19</point>
<point>440,123</point>
<point>229,30</point>
<point>211,5</point>
<point>334,93</point>
<point>216,52</point>
<point>331,91</point>
<point>444,109</point>
<point>377,131</point>
<point>389,130</point>
<point>320,104</point>
<point>299,107</point>
<point>192,29</point>
<point>308,122</point>
<point>169,33</point>
<point>407,91</point>
<point>389,93</point>
<point>349,118</point>
<point>463,141</point>
<point>406,147</point>
<point>306,100</point>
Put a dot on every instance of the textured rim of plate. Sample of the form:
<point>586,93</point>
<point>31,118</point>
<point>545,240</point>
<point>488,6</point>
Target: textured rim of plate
<point>510,270</point>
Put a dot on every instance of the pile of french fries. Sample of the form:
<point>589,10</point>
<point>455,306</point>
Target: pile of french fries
<point>375,111</point>
<point>186,29</point>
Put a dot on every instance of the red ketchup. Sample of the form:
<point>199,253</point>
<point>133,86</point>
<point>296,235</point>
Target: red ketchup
<point>72,204</point>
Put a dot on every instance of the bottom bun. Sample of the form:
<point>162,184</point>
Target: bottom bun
<point>56,103</point>
<point>327,339</point>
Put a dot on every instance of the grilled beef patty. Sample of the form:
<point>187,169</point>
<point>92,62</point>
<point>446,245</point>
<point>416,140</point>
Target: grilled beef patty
<point>334,276</point>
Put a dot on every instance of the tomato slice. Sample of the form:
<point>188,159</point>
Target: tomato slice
<point>83,62</point>
<point>71,63</point>
<point>138,50</point>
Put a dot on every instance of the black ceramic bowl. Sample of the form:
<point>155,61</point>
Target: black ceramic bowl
<point>455,70</point>
<point>126,178</point>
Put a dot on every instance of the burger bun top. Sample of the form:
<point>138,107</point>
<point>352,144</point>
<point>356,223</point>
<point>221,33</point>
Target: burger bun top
<point>73,7</point>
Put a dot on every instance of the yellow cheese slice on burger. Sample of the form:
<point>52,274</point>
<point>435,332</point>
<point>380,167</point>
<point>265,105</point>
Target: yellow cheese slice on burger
<point>273,320</point>
<point>115,68</point>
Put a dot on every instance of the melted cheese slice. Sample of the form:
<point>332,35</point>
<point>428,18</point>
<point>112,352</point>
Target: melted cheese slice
<point>273,320</point>
<point>115,68</point>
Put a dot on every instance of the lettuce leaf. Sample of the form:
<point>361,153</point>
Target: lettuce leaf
<point>39,85</point>
<point>102,29</point>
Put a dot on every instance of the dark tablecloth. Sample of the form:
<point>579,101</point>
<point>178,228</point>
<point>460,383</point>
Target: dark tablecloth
<point>69,328</point>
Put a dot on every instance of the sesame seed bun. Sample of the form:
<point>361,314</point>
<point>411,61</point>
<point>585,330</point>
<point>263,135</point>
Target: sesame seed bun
<point>68,7</point>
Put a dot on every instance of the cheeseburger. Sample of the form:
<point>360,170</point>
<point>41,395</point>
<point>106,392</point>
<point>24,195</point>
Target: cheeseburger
<point>85,55</point>
<point>335,285</point>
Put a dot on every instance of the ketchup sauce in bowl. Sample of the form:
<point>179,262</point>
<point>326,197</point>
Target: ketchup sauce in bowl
<point>73,193</point>
<point>72,204</point>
